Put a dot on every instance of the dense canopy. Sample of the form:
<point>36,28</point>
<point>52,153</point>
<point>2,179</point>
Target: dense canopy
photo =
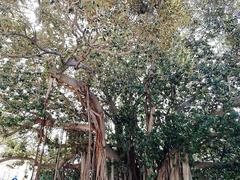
<point>134,89</point>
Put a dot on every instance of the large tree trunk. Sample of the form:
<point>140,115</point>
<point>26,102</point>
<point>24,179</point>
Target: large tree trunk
<point>134,172</point>
<point>84,172</point>
<point>174,167</point>
<point>95,115</point>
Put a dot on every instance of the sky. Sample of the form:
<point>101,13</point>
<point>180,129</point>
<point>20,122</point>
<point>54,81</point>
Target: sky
<point>8,171</point>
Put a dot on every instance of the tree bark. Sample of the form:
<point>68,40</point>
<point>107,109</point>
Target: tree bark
<point>134,172</point>
<point>96,117</point>
<point>174,167</point>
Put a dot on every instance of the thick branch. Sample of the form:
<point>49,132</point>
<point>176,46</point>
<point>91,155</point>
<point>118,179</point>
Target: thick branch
<point>72,62</point>
<point>44,166</point>
<point>66,166</point>
<point>66,158</point>
<point>16,158</point>
<point>78,86</point>
<point>111,154</point>
<point>77,127</point>
<point>204,165</point>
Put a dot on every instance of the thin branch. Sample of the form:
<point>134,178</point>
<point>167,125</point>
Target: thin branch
<point>24,126</point>
<point>33,40</point>
<point>49,89</point>
<point>26,56</point>
<point>236,101</point>
<point>187,103</point>
<point>107,51</point>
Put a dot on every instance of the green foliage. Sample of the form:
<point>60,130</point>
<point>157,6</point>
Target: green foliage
<point>133,55</point>
<point>16,149</point>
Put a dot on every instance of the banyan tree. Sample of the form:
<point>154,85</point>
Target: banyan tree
<point>129,90</point>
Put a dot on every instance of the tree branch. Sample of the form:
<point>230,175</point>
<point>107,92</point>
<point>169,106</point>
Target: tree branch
<point>26,56</point>
<point>16,158</point>
<point>24,126</point>
<point>33,40</point>
<point>236,101</point>
<point>44,166</point>
<point>77,127</point>
<point>204,165</point>
<point>107,51</point>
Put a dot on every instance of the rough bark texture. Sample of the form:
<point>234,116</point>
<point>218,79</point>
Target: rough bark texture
<point>175,168</point>
<point>186,170</point>
<point>96,118</point>
<point>134,172</point>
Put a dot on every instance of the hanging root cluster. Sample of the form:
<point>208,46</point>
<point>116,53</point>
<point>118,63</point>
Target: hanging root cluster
<point>93,159</point>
